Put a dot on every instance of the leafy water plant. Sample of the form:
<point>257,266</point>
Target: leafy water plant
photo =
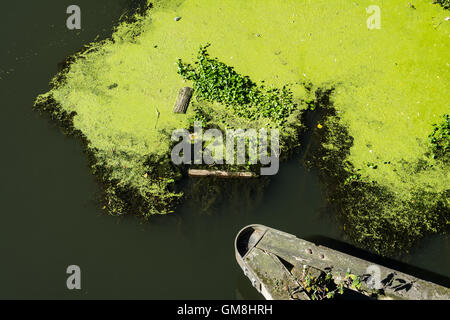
<point>352,178</point>
<point>444,3</point>
<point>352,281</point>
<point>439,140</point>
<point>372,165</point>
<point>215,81</point>
<point>321,286</point>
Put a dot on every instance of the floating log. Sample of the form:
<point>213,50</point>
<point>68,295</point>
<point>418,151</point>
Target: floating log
<point>277,262</point>
<point>220,174</point>
<point>184,97</point>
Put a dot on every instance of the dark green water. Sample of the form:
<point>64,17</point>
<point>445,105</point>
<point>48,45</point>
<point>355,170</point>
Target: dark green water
<point>50,218</point>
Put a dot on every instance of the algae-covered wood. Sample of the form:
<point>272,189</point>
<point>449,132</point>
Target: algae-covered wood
<point>220,174</point>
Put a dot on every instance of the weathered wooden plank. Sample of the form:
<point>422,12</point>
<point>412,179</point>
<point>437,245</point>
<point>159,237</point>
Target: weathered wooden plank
<point>273,275</point>
<point>290,283</point>
<point>396,285</point>
<point>183,99</point>
<point>220,174</point>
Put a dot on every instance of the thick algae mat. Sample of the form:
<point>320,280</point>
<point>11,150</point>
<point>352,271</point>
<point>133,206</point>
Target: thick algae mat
<point>390,84</point>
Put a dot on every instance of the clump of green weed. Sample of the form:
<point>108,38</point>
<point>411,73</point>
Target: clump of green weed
<point>444,3</point>
<point>440,140</point>
<point>214,81</point>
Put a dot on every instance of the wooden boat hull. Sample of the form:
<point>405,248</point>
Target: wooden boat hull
<point>275,262</point>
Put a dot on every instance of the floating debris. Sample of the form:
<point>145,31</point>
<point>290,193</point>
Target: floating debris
<point>177,18</point>
<point>183,99</point>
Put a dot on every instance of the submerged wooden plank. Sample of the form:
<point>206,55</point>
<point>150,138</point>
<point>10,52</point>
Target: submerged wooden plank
<point>220,174</point>
<point>395,284</point>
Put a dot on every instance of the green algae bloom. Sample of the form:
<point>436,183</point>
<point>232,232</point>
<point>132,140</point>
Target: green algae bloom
<point>390,85</point>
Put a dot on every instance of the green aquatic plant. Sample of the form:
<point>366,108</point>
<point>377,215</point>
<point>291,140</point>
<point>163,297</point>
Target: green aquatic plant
<point>439,140</point>
<point>132,181</point>
<point>321,286</point>
<point>226,99</point>
<point>372,165</point>
<point>373,216</point>
<point>391,84</point>
<point>352,178</point>
<point>444,3</point>
<point>352,281</point>
<point>215,81</point>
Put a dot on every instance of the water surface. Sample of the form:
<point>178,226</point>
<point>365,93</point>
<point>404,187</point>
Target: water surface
<point>50,217</point>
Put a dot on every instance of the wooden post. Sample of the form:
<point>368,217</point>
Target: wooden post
<point>184,97</point>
